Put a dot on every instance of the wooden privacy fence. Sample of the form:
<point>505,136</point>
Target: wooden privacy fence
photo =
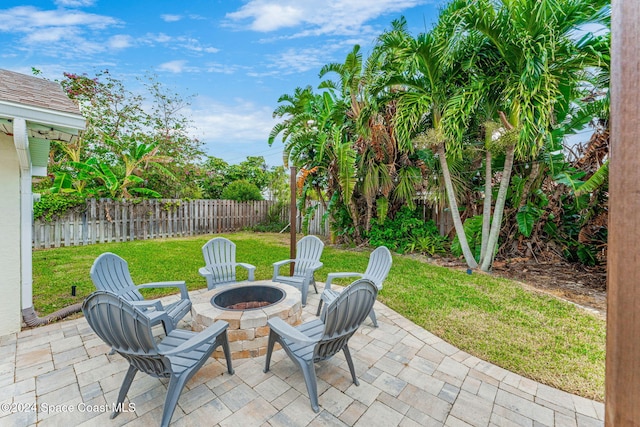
<point>106,220</point>
<point>316,224</point>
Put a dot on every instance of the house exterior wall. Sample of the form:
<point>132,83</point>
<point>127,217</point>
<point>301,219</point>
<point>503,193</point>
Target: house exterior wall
<point>10,241</point>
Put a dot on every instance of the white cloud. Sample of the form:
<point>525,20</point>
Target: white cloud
<point>120,41</point>
<point>74,3</point>
<point>194,45</point>
<point>49,35</point>
<point>158,38</point>
<point>214,67</point>
<point>299,61</point>
<point>177,66</point>
<point>346,17</point>
<point>58,33</point>
<point>234,131</point>
<point>181,42</point>
<point>25,19</point>
<point>171,18</point>
<point>268,16</point>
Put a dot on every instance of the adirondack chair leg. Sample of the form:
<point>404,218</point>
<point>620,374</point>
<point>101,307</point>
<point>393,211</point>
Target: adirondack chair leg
<point>224,342</point>
<point>270,344</point>
<point>372,316</point>
<point>305,290</point>
<point>176,384</point>
<point>347,355</point>
<point>124,389</point>
<point>313,280</point>
<point>319,307</point>
<point>309,372</point>
<point>210,284</point>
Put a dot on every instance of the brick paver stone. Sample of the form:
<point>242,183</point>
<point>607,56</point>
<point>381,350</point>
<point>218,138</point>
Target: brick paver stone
<point>408,377</point>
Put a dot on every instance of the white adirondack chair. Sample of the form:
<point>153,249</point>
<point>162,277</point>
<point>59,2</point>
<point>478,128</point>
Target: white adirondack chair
<point>220,263</point>
<point>308,252</point>
<point>110,273</point>
<point>178,356</point>
<point>377,271</point>
<point>322,338</point>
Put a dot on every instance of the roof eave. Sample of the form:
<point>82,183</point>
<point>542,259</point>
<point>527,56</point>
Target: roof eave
<point>63,121</point>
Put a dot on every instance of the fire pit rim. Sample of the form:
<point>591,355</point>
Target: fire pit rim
<point>282,292</point>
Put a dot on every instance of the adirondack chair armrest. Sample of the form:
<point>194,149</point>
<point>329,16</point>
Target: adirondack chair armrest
<point>340,275</point>
<point>250,268</point>
<point>200,338</point>
<point>277,265</point>
<point>148,304</point>
<point>283,262</point>
<point>287,331</point>
<point>312,268</point>
<point>160,316</point>
<point>180,284</point>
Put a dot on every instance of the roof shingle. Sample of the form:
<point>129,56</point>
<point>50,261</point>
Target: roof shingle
<point>34,92</point>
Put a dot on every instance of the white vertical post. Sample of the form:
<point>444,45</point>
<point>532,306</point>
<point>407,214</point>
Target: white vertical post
<point>21,142</point>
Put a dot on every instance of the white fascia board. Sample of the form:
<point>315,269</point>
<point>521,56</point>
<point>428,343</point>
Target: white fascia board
<point>42,116</point>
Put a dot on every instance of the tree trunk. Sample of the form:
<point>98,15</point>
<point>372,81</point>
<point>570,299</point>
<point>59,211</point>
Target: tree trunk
<point>453,205</point>
<point>486,212</point>
<point>353,210</point>
<point>367,221</point>
<point>526,190</point>
<point>499,209</point>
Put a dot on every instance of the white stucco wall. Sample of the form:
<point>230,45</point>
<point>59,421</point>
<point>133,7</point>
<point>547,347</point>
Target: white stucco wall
<point>10,286</point>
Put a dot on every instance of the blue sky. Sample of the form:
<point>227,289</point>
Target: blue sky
<point>236,57</point>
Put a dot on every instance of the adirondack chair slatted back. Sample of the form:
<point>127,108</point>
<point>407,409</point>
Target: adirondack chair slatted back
<point>344,315</point>
<point>110,273</point>
<point>308,251</point>
<point>379,265</point>
<point>127,330</point>
<point>220,259</point>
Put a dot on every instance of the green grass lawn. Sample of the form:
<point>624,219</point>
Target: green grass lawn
<point>497,320</point>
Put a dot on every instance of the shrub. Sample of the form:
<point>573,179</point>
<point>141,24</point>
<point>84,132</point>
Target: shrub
<point>241,191</point>
<point>273,222</point>
<point>56,204</point>
<point>408,233</point>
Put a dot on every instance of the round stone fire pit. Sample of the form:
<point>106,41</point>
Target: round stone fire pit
<point>246,307</point>
<point>248,297</point>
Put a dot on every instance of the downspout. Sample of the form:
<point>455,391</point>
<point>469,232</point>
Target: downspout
<point>21,141</point>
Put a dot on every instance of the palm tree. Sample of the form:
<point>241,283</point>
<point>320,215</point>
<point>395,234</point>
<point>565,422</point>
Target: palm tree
<point>538,59</point>
<point>298,110</point>
<point>423,87</point>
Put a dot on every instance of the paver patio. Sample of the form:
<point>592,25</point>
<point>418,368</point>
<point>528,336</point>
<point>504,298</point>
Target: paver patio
<point>408,377</point>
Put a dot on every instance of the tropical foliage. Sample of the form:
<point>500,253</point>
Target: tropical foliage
<point>241,191</point>
<point>472,116</point>
<point>140,146</point>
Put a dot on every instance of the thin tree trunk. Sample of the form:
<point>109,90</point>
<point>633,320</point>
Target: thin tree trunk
<point>486,213</point>
<point>367,223</point>
<point>526,190</point>
<point>499,209</point>
<point>453,205</point>
<point>353,208</point>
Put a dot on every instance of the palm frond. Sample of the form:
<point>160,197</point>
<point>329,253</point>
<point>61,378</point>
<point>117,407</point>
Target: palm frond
<point>595,181</point>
